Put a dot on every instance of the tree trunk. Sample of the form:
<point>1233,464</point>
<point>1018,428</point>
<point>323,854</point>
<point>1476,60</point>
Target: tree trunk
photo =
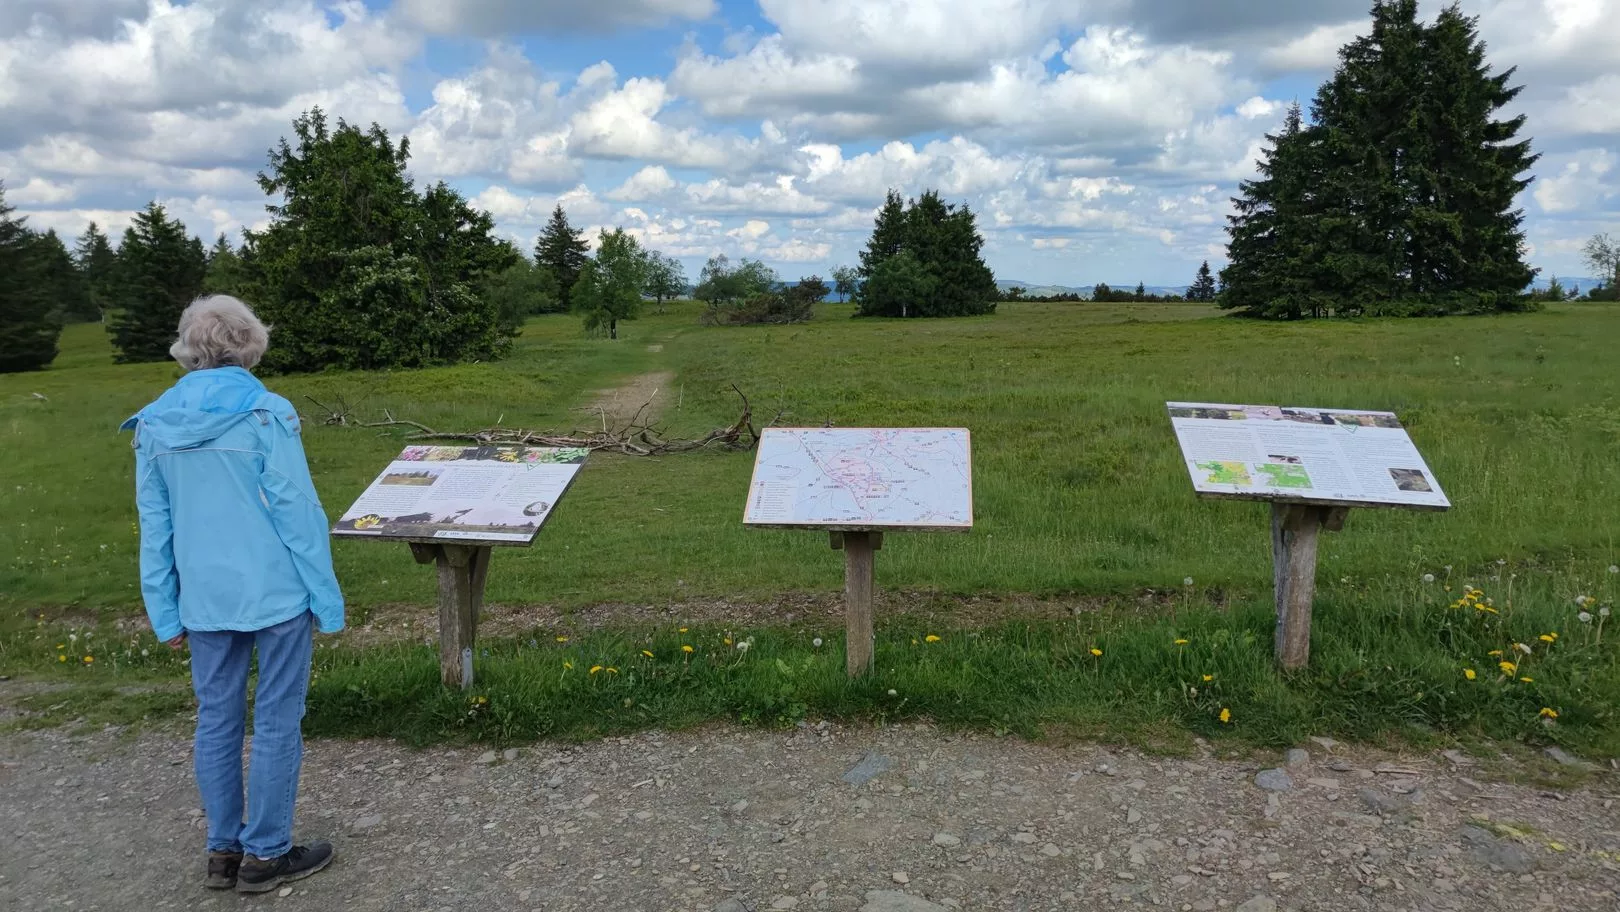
<point>613,328</point>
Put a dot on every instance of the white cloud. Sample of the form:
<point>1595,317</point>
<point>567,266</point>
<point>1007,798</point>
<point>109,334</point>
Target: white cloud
<point>39,191</point>
<point>623,124</point>
<point>921,40</point>
<point>1586,178</point>
<point>1591,108</point>
<point>1316,50</point>
<point>1051,243</point>
<point>506,17</point>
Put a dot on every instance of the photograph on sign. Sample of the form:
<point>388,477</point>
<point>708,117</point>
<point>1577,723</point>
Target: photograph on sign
<point>1269,452</point>
<point>483,493</point>
<point>862,478</point>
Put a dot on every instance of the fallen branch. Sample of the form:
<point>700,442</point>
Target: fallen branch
<point>633,438</point>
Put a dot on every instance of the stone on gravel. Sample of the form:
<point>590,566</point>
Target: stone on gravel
<point>366,825</point>
<point>284,892</point>
<point>1259,904</point>
<point>1274,780</point>
<point>740,806</point>
<point>1496,852</point>
<point>732,905</point>
<point>891,901</point>
<point>1564,758</point>
<point>871,766</point>
<point>785,902</point>
<point>1380,803</point>
<point>1133,816</point>
<point>1051,851</point>
<point>1297,758</point>
<point>486,757</point>
<point>946,840</point>
<point>1326,744</point>
<point>509,754</point>
<point>901,877</point>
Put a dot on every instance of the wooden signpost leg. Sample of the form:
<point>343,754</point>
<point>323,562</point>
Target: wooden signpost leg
<point>462,572</point>
<point>1294,535</point>
<point>859,641</point>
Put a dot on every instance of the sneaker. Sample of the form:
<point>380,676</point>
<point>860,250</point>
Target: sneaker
<point>260,876</point>
<point>222,870</point>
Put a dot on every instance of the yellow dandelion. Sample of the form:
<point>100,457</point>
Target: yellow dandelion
<point>1548,712</point>
<point>1469,674</point>
<point>562,639</point>
<point>683,630</point>
<point>61,645</point>
<point>647,653</point>
<point>568,666</point>
<point>89,659</point>
<point>686,649</point>
<point>1095,651</point>
<point>1546,638</point>
<point>1495,652</point>
<point>595,669</point>
<point>727,641</point>
<point>1226,716</point>
<point>1208,678</point>
<point>1181,642</point>
<point>611,670</point>
<point>61,658</point>
<point>1507,667</point>
<point>1528,680</point>
<point>931,638</point>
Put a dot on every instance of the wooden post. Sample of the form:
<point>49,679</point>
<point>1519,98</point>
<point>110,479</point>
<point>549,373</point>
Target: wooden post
<point>1294,535</point>
<point>859,641</point>
<point>463,570</point>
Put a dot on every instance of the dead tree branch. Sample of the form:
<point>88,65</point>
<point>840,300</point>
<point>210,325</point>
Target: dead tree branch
<point>633,438</point>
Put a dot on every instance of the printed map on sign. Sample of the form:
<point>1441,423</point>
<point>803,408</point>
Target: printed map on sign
<point>862,478</point>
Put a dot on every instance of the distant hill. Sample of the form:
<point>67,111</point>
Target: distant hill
<point>1040,291</point>
<point>1584,283</point>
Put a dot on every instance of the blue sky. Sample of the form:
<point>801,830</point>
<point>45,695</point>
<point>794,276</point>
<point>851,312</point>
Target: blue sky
<point>1098,140</point>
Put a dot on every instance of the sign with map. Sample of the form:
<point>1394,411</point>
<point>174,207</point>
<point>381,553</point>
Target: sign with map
<point>1303,455</point>
<point>493,494</point>
<point>853,479</point>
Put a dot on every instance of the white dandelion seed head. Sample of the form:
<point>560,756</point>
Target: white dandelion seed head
<point>1614,568</point>
<point>743,646</point>
<point>1603,612</point>
<point>1581,600</point>
<point>893,692</point>
<point>1522,648</point>
<point>1187,582</point>
<point>1448,568</point>
<point>1585,617</point>
<point>73,638</point>
<point>1428,577</point>
<point>816,642</point>
<point>144,652</point>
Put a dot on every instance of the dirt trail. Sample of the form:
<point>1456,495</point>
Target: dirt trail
<point>648,394</point>
<point>741,819</point>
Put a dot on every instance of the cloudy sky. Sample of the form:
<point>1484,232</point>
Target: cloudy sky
<point>1097,139</point>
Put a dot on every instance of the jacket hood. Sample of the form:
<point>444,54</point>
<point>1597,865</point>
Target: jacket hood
<point>199,408</point>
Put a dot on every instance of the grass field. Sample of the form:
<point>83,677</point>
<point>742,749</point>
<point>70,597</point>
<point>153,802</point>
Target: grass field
<point>1079,491</point>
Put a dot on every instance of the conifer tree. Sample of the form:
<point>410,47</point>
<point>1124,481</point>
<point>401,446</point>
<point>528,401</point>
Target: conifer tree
<point>562,250</point>
<point>1203,286</point>
<point>61,280</point>
<point>945,274</point>
<point>160,271</point>
<point>28,324</point>
<point>97,261</point>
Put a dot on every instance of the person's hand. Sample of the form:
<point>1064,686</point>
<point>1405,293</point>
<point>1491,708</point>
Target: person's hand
<point>178,641</point>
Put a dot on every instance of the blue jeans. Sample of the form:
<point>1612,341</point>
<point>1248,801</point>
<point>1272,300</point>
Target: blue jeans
<point>219,677</point>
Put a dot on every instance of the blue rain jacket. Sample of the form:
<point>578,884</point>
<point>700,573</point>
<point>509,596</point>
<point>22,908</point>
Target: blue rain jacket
<point>233,536</point>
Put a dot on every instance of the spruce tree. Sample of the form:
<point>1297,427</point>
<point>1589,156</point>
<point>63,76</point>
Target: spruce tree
<point>97,261</point>
<point>29,326</point>
<point>946,275</point>
<point>62,281</point>
<point>160,271</point>
<point>1274,231</point>
<point>563,251</point>
<point>1203,286</point>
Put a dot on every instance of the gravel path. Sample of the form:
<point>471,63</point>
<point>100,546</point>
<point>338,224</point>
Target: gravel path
<point>738,819</point>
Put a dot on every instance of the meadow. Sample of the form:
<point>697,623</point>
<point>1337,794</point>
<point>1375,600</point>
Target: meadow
<point>1081,502</point>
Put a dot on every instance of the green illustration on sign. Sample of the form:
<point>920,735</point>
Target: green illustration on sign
<point>1282,475</point>
<point>1226,473</point>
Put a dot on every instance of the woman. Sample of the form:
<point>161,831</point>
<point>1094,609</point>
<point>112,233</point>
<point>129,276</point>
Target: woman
<point>235,557</point>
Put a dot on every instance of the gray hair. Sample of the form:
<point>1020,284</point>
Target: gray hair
<point>217,331</point>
